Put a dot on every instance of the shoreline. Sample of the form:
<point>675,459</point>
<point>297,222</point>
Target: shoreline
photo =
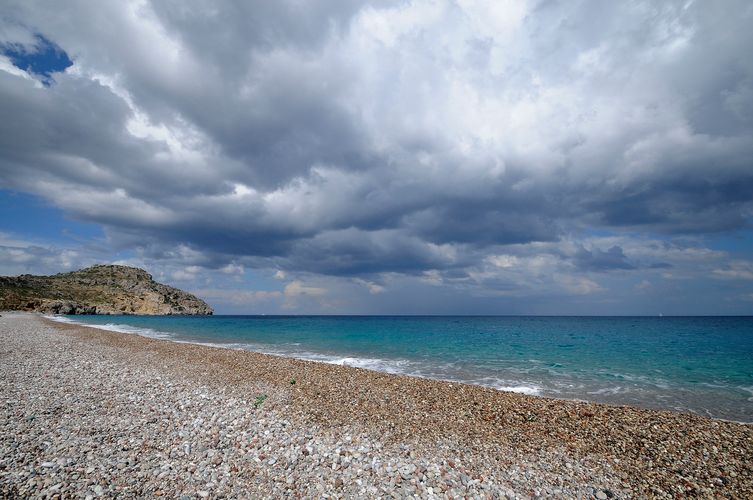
<point>567,446</point>
<point>526,388</point>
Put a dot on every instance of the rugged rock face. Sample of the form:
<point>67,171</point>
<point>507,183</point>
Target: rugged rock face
<point>97,290</point>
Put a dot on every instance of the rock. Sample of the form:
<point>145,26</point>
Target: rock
<point>64,308</point>
<point>406,471</point>
<point>101,289</point>
<point>121,419</point>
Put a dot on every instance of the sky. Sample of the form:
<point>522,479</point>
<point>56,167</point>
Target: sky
<point>386,157</point>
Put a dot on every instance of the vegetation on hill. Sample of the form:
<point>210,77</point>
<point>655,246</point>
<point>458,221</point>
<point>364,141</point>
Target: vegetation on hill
<point>100,289</point>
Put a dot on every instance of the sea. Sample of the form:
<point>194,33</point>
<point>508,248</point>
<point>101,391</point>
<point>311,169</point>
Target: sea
<point>702,365</point>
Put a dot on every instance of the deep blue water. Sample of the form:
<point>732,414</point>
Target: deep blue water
<point>698,364</point>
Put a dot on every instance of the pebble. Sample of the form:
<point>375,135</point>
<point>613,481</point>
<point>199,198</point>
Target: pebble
<point>133,414</point>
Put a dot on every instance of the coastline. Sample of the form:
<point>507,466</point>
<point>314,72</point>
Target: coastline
<point>661,384</point>
<point>480,440</point>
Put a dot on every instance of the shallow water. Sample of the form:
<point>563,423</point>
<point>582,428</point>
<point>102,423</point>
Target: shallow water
<point>698,364</point>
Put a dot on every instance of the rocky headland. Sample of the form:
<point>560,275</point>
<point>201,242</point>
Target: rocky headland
<point>100,289</point>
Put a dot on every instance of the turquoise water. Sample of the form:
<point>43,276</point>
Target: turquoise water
<point>703,365</point>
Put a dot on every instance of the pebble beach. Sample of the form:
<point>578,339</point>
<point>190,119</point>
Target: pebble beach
<point>88,413</point>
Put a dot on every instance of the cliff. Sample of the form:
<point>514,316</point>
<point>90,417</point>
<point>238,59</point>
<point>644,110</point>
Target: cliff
<point>98,289</point>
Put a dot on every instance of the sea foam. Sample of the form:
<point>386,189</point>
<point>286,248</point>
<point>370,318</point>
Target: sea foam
<point>117,327</point>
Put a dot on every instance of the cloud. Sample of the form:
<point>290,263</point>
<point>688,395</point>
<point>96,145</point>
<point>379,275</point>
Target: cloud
<point>186,274</point>
<point>437,140</point>
<point>297,293</point>
<point>238,297</point>
<point>297,289</point>
<point>38,259</point>
<point>737,270</point>
<point>644,286</point>
<point>600,260</point>
<point>40,57</point>
<point>232,269</point>
<point>373,288</point>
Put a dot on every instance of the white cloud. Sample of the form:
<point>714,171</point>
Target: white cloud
<point>18,256</point>
<point>298,294</point>
<point>238,297</point>
<point>7,66</point>
<point>644,286</point>
<point>468,144</point>
<point>736,269</point>
<point>186,274</point>
<point>232,269</point>
<point>297,289</point>
<point>373,288</point>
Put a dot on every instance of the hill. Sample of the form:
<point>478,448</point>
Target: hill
<point>100,289</point>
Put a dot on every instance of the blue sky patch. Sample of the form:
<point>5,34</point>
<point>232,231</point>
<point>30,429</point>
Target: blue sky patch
<point>32,217</point>
<point>43,60</point>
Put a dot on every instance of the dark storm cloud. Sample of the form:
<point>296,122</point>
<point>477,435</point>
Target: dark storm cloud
<point>696,190</point>
<point>353,253</point>
<point>599,260</point>
<point>401,137</point>
<point>455,223</point>
<point>218,32</point>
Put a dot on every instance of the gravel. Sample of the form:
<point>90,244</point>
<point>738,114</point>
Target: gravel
<point>88,413</point>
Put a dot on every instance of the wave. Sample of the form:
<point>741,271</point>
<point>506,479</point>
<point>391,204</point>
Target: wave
<point>394,366</point>
<point>610,391</point>
<point>377,364</point>
<point>748,389</point>
<point>521,389</point>
<point>519,386</point>
<point>399,366</point>
<point>62,319</point>
<point>614,383</point>
<point>118,327</point>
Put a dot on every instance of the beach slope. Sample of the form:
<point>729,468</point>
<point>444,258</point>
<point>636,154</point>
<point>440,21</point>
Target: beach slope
<point>91,412</point>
